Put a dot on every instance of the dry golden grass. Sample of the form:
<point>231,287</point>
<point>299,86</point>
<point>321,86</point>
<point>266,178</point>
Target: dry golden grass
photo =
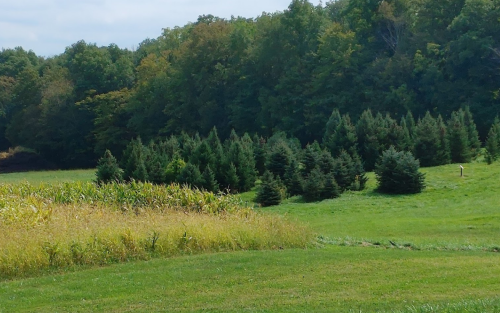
<point>37,233</point>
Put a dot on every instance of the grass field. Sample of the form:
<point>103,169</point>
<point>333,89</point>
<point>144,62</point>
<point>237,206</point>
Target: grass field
<point>442,259</point>
<point>48,177</point>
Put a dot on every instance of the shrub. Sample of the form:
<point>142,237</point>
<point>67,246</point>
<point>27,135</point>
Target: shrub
<point>398,173</point>
<point>108,170</point>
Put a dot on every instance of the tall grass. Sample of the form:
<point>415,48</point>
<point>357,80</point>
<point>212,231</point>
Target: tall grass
<point>57,227</point>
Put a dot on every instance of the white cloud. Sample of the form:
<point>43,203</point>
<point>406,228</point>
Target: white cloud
<point>49,26</point>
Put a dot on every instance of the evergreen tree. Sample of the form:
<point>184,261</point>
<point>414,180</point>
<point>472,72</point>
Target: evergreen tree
<point>331,128</point>
<point>108,170</point>
<point>427,141</point>
<point>313,186</point>
<point>174,169</point>
<point>279,159</point>
<point>310,160</point>
<point>326,162</point>
<point>190,175</point>
<point>398,173</point>
<point>349,173</point>
<point>259,153</point>
<point>493,142</point>
<point>293,180</point>
<point>444,154</point>
<point>242,158</point>
<point>129,161</point>
<point>219,156</point>
<point>368,143</point>
<point>209,182</point>
<point>458,138</point>
<point>203,156</point>
<point>140,173</point>
<point>331,189</point>
<point>344,138</point>
<point>270,191</point>
<point>231,178</point>
<point>472,133</point>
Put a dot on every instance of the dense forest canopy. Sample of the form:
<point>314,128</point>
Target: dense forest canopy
<point>284,71</point>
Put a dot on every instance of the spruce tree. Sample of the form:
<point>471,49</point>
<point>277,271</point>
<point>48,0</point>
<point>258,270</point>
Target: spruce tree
<point>326,162</point>
<point>190,175</point>
<point>427,141</point>
<point>313,186</point>
<point>219,156</point>
<point>293,179</point>
<point>444,153</point>
<point>398,173</point>
<point>458,138</point>
<point>331,189</point>
<point>349,172</point>
<point>493,142</point>
<point>344,138</point>
<point>259,153</point>
<point>310,160</point>
<point>203,156</point>
<point>472,133</point>
<point>331,128</point>
<point>108,170</point>
<point>270,191</point>
<point>209,182</point>
<point>279,159</point>
<point>231,178</point>
<point>368,144</point>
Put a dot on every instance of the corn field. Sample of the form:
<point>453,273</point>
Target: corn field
<point>59,227</point>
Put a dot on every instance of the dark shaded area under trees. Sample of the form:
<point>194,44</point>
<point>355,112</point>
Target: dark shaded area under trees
<point>279,72</point>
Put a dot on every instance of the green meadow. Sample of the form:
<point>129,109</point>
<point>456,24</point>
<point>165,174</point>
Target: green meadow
<point>432,252</point>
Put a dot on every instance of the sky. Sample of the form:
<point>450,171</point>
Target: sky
<point>49,26</point>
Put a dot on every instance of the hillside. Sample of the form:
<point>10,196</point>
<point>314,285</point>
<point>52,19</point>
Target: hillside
<point>443,258</point>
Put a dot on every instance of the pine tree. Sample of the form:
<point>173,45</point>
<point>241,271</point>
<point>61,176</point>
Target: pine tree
<point>203,156</point>
<point>326,162</point>
<point>493,142</point>
<point>368,143</point>
<point>331,189</point>
<point>209,182</point>
<point>458,138</point>
<point>344,138</point>
<point>349,172</point>
<point>231,178</point>
<point>313,186</point>
<point>140,173</point>
<point>242,158</point>
<point>310,160</point>
<point>279,160</point>
<point>427,141</point>
<point>219,156</point>
<point>398,173</point>
<point>293,180</point>
<point>190,175</point>
<point>472,133</point>
<point>108,170</point>
<point>259,153</point>
<point>331,128</point>
<point>444,153</point>
<point>270,191</point>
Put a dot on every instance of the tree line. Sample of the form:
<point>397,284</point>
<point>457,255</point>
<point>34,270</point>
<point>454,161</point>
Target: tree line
<point>278,72</point>
<point>316,172</point>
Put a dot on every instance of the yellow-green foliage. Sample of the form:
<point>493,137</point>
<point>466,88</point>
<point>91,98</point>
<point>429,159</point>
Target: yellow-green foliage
<point>45,227</point>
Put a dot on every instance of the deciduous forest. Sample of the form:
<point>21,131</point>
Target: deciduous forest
<point>282,72</point>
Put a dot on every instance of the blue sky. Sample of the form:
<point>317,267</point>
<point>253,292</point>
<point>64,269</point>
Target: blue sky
<point>48,26</point>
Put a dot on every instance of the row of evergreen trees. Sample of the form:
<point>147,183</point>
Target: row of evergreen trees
<point>430,139</point>
<point>315,172</point>
<point>235,165</point>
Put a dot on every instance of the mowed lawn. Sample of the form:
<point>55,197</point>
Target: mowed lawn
<point>432,252</point>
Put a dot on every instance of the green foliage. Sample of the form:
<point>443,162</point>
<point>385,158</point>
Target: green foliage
<point>493,142</point>
<point>209,182</point>
<point>293,180</point>
<point>190,175</point>
<point>459,139</point>
<point>398,173</point>
<point>427,141</point>
<point>349,172</point>
<point>314,185</point>
<point>279,159</point>
<point>108,170</point>
<point>173,170</point>
<point>270,191</point>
